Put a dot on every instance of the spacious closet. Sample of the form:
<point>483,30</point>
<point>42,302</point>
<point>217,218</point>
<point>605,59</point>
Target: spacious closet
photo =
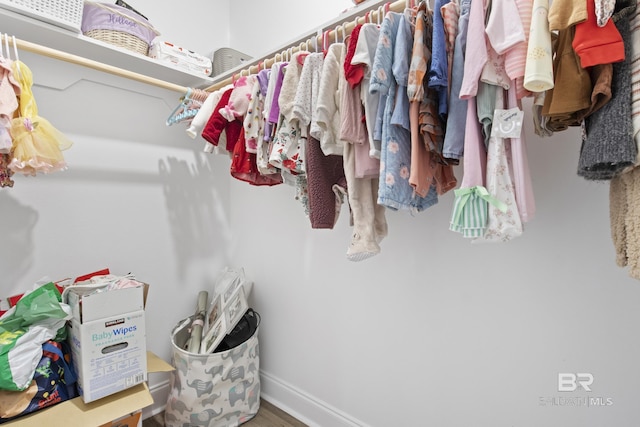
<point>434,330</point>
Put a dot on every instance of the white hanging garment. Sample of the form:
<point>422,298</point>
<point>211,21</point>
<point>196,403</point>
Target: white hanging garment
<point>502,224</point>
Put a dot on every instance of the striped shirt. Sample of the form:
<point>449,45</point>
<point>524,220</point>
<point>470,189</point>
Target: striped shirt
<point>515,58</point>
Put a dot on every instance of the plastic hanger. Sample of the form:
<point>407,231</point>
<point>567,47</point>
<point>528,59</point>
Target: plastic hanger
<point>185,110</point>
<point>15,52</point>
<point>6,46</point>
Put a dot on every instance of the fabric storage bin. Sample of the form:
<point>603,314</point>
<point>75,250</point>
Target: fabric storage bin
<point>62,13</point>
<point>118,26</point>
<point>214,390</point>
<point>227,58</point>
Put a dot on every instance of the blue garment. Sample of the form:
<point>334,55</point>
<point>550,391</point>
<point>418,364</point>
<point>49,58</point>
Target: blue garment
<point>391,67</point>
<point>400,69</point>
<point>439,70</point>
<point>457,118</point>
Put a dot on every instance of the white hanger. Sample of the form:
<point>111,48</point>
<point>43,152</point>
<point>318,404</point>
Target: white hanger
<point>6,45</point>
<point>336,32</point>
<point>315,42</point>
<point>15,47</point>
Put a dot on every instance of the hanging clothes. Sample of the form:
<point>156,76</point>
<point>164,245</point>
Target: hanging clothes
<point>369,218</point>
<point>326,185</point>
<point>476,52</point>
<point>9,92</point>
<point>521,176</point>
<point>608,147</point>
<point>453,146</point>
<point>470,206</point>
<point>515,58</point>
<point>352,124</point>
<point>201,118</point>
<point>624,206</point>
<point>390,78</point>
<point>218,129</point>
<point>37,144</point>
<point>327,117</point>
<point>503,222</point>
<point>364,55</point>
<point>438,75</point>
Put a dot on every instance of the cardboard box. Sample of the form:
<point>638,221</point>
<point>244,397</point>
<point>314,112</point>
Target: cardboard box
<point>108,341</point>
<point>130,420</point>
<point>180,57</point>
<point>76,413</point>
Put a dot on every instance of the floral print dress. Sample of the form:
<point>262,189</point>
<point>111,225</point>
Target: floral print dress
<point>389,77</point>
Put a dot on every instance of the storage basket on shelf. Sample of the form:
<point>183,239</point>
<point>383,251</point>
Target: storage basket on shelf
<point>62,13</point>
<point>227,58</point>
<point>118,26</point>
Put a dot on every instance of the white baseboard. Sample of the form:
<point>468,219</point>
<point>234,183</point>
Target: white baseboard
<point>160,393</point>
<point>303,406</point>
<point>297,403</point>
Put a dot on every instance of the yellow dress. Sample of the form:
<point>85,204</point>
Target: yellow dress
<point>37,145</point>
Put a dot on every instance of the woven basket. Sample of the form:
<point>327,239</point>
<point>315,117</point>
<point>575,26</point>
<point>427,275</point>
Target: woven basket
<point>62,13</point>
<point>117,26</point>
<point>120,38</point>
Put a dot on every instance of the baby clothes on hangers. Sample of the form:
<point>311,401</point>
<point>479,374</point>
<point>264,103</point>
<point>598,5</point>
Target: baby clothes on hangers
<point>352,127</point>
<point>189,106</point>
<point>9,92</point>
<point>390,77</point>
<point>515,58</point>
<point>503,222</point>
<point>437,77</point>
<point>364,55</point>
<point>327,115</point>
<point>217,126</point>
<point>239,100</point>
<point>285,153</point>
<point>453,146</point>
<point>37,144</point>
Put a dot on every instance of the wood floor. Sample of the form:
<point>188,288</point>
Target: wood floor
<point>268,416</point>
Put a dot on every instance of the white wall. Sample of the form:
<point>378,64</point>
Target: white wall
<point>138,197</point>
<point>436,331</point>
<point>197,25</point>
<point>258,27</point>
<point>433,331</point>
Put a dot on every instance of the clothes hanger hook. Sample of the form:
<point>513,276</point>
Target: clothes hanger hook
<point>6,45</point>
<point>15,47</point>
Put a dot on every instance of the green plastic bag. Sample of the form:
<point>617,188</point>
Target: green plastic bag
<point>36,318</point>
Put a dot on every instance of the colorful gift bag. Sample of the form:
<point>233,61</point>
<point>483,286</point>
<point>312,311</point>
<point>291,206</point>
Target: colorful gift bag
<point>54,381</point>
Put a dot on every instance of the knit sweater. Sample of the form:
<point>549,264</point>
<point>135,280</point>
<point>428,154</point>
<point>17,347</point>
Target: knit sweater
<point>609,147</point>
